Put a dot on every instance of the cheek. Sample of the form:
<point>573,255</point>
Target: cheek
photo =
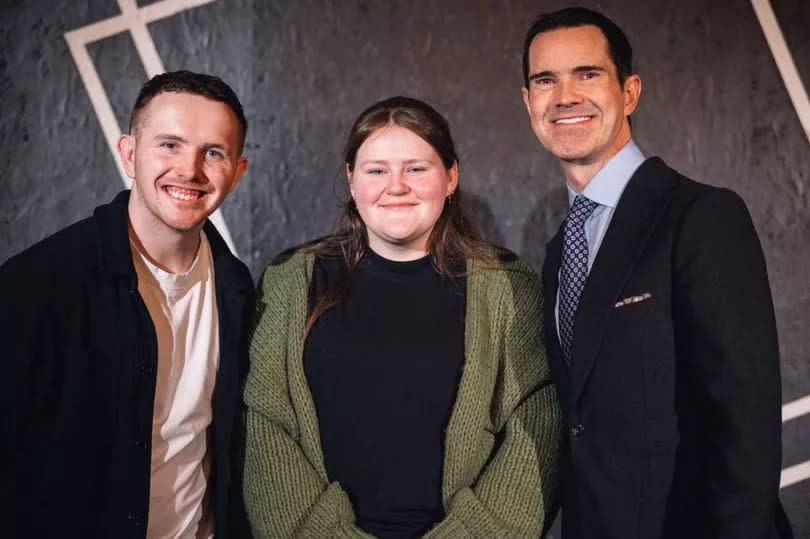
<point>367,192</point>
<point>219,174</point>
<point>538,108</point>
<point>153,164</point>
<point>430,189</point>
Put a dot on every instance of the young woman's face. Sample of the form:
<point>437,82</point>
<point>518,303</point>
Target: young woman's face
<point>400,185</point>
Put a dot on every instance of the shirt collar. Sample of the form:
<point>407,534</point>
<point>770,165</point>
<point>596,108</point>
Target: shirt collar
<point>606,187</point>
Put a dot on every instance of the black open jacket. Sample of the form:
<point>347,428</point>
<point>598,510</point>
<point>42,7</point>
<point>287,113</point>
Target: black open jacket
<point>78,384</point>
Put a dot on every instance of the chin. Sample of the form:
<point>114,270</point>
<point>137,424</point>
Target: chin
<point>399,239</point>
<point>185,225</point>
<point>572,155</point>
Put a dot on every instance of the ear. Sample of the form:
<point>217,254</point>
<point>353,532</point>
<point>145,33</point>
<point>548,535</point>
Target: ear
<point>126,150</point>
<point>632,93</point>
<point>525,92</point>
<point>452,183</point>
<point>241,167</point>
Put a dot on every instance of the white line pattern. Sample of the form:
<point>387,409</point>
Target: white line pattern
<point>133,20</point>
<point>798,96</point>
<point>795,474</point>
<point>801,471</point>
<point>784,61</point>
<point>796,408</point>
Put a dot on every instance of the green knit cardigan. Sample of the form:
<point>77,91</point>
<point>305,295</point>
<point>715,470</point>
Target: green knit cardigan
<point>502,441</point>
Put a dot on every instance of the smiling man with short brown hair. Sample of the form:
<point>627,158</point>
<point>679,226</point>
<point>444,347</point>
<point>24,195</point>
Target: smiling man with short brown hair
<point>126,335</point>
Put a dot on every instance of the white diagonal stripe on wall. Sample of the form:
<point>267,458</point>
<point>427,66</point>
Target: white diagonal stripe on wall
<point>143,41</point>
<point>796,408</point>
<point>784,61</point>
<point>795,474</point>
<point>98,98</point>
<point>799,472</point>
<point>134,20</point>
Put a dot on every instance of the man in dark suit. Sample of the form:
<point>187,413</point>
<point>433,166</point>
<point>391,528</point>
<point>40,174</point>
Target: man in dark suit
<point>659,320</point>
<point>125,341</point>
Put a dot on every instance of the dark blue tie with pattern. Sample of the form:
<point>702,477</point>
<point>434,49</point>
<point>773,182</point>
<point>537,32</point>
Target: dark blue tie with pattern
<point>573,270</point>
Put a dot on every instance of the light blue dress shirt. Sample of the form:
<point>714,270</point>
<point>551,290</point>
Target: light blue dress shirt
<point>605,189</point>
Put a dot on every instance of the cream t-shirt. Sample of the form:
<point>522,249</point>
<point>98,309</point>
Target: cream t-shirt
<point>183,309</point>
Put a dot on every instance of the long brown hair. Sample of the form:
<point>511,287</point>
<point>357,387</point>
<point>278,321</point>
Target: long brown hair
<point>453,239</point>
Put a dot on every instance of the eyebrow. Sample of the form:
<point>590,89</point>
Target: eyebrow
<point>582,69</point>
<point>385,161</point>
<point>164,136</point>
<point>577,69</point>
<point>176,138</point>
<point>541,75</point>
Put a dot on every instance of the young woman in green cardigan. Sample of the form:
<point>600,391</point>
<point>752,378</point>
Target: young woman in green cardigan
<point>398,385</point>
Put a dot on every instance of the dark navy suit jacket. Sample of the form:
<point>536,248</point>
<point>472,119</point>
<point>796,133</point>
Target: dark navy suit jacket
<point>673,399</point>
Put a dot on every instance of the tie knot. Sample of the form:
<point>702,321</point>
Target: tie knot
<point>581,209</point>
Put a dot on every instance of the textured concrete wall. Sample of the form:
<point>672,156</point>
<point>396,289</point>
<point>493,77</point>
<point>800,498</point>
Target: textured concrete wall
<point>713,106</point>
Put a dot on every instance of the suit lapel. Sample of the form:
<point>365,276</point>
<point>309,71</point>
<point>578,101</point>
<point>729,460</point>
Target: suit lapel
<point>636,215</point>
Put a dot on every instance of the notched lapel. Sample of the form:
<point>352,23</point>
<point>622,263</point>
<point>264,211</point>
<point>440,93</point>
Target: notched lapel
<point>639,209</point>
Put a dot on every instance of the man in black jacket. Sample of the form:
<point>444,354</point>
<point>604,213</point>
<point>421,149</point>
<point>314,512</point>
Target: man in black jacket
<point>125,340</point>
<point>659,320</point>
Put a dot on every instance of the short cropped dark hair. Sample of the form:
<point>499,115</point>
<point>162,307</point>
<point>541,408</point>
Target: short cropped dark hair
<point>618,45</point>
<point>187,82</point>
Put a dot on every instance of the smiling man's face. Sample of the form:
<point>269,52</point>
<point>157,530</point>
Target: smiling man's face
<point>184,158</point>
<point>577,105</point>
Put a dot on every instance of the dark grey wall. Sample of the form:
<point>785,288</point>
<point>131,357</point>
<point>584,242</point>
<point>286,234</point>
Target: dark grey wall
<point>713,105</point>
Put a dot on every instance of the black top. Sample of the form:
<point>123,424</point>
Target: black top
<point>383,367</point>
<point>78,385</point>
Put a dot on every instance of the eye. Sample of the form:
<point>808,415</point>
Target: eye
<point>215,153</point>
<point>417,169</point>
<point>169,145</point>
<point>543,82</point>
<point>375,171</point>
<point>589,75</point>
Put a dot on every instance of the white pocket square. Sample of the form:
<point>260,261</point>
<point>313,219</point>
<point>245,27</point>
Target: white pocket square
<point>632,299</point>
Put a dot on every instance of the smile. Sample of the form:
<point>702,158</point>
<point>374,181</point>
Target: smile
<point>402,206</point>
<point>182,194</point>
<point>574,120</point>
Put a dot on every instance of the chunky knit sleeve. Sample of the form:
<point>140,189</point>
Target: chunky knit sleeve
<point>516,491</point>
<point>286,490</point>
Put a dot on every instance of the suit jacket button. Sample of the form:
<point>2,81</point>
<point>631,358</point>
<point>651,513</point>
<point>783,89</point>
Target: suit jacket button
<point>577,430</point>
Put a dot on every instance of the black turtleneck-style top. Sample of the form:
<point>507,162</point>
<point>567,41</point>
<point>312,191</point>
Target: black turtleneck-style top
<point>383,366</point>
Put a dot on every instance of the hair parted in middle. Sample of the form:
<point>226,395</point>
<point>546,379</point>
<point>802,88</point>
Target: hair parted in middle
<point>453,239</point>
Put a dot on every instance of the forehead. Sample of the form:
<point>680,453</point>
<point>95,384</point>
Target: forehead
<point>563,48</point>
<point>190,114</point>
<point>393,140</point>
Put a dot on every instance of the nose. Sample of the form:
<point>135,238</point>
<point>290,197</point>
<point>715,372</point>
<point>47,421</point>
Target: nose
<point>396,183</point>
<point>568,94</point>
<point>188,165</point>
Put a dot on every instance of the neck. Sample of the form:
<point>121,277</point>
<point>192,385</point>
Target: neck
<point>579,173</point>
<point>578,176</point>
<point>171,251</point>
<point>397,253</point>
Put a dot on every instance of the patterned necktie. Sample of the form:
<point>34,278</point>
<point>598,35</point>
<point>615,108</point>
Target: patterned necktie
<point>574,270</point>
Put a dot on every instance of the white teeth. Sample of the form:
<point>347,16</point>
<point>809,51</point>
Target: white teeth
<point>181,194</point>
<point>572,120</point>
